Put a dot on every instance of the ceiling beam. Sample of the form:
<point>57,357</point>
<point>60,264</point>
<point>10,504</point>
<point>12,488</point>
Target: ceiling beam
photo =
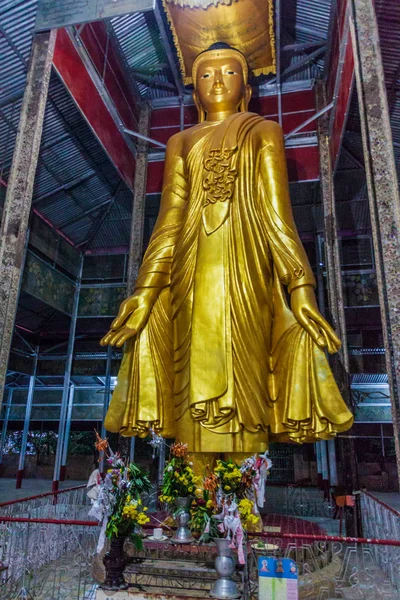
<point>168,49</point>
<point>74,65</point>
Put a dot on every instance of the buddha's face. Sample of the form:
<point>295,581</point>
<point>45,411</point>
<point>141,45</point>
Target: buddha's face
<point>220,85</point>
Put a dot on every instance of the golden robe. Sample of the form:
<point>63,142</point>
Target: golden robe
<point>222,364</point>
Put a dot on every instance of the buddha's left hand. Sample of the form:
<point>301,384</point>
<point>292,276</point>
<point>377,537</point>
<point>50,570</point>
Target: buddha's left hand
<point>305,309</point>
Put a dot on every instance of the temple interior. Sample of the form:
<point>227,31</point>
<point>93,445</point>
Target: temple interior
<point>90,95</point>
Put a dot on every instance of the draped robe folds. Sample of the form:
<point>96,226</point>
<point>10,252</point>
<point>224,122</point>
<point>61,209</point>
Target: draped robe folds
<point>222,364</point>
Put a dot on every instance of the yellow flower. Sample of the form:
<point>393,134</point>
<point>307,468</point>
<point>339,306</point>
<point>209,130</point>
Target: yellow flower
<point>199,492</point>
<point>209,504</point>
<point>227,488</point>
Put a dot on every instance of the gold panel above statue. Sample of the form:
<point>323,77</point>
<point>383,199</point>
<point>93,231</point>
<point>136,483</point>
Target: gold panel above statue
<point>247,25</point>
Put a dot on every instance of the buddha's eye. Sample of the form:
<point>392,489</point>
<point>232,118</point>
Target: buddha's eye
<point>205,75</point>
<point>231,73</point>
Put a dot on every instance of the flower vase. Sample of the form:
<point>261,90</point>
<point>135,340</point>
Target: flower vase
<point>183,534</point>
<point>114,562</point>
<point>224,587</point>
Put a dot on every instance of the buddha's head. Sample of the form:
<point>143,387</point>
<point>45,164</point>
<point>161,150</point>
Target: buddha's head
<point>220,81</point>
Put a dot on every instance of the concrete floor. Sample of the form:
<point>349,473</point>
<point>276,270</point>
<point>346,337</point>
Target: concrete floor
<point>30,487</point>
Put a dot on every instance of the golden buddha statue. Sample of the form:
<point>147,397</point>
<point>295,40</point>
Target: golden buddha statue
<point>214,355</point>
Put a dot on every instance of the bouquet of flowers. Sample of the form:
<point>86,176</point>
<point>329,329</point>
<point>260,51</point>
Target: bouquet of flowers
<point>201,511</point>
<point>230,478</point>
<point>179,480</point>
<point>117,503</point>
<point>230,498</point>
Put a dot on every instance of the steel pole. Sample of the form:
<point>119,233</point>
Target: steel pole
<point>132,449</point>
<point>64,457</point>
<point>278,58</point>
<point>161,464</point>
<point>324,460</point>
<point>67,380</point>
<point>25,431</point>
<point>333,475</point>
<point>107,395</point>
<point>5,423</point>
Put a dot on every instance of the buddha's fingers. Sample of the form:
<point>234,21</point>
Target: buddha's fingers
<point>331,346</point>
<point>106,339</point>
<point>127,307</point>
<point>124,336</point>
<point>311,328</point>
<point>324,325</point>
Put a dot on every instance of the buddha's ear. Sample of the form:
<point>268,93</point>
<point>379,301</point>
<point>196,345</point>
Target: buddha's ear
<point>200,110</point>
<point>246,98</point>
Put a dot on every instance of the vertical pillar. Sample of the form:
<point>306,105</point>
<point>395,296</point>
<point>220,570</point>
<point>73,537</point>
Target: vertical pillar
<point>63,468</point>
<point>67,380</point>
<point>5,423</point>
<point>383,191</point>
<point>27,419</point>
<point>139,199</point>
<point>340,361</point>
<point>106,403</point>
<point>161,464</point>
<point>132,449</point>
<point>332,255</point>
<point>317,448</point>
<point>333,476</point>
<point>324,460</point>
<point>20,188</point>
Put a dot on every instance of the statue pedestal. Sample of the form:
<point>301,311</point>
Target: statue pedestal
<point>167,571</point>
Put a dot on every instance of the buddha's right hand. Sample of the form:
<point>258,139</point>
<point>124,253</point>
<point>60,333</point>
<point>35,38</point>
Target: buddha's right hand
<point>132,317</point>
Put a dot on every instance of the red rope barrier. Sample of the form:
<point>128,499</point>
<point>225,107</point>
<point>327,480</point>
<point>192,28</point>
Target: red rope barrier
<point>71,489</point>
<point>286,536</point>
<point>326,538</point>
<point>50,521</point>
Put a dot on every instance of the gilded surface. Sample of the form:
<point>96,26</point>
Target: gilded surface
<point>244,24</point>
<point>214,355</point>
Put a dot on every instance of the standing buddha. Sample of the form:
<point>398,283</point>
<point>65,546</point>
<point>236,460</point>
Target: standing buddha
<point>225,345</point>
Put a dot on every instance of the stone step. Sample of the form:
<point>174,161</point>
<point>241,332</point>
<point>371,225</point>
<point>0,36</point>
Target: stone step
<point>174,574</point>
<point>151,593</point>
<point>172,568</point>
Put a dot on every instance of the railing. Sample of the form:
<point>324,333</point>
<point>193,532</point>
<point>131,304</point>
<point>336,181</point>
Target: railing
<point>48,545</point>
<point>47,559</point>
<point>381,520</point>
<point>332,566</point>
<point>72,503</point>
<point>51,559</point>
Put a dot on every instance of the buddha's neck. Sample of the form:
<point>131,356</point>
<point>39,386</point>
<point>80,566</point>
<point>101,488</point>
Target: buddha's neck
<point>220,115</point>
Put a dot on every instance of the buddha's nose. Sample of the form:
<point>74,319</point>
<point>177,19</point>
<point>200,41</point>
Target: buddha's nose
<point>218,81</point>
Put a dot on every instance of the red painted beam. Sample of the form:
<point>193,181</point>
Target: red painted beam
<point>93,103</point>
<point>340,78</point>
<point>342,103</point>
<point>104,56</point>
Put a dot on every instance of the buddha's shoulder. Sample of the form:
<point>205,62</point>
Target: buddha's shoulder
<point>266,129</point>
